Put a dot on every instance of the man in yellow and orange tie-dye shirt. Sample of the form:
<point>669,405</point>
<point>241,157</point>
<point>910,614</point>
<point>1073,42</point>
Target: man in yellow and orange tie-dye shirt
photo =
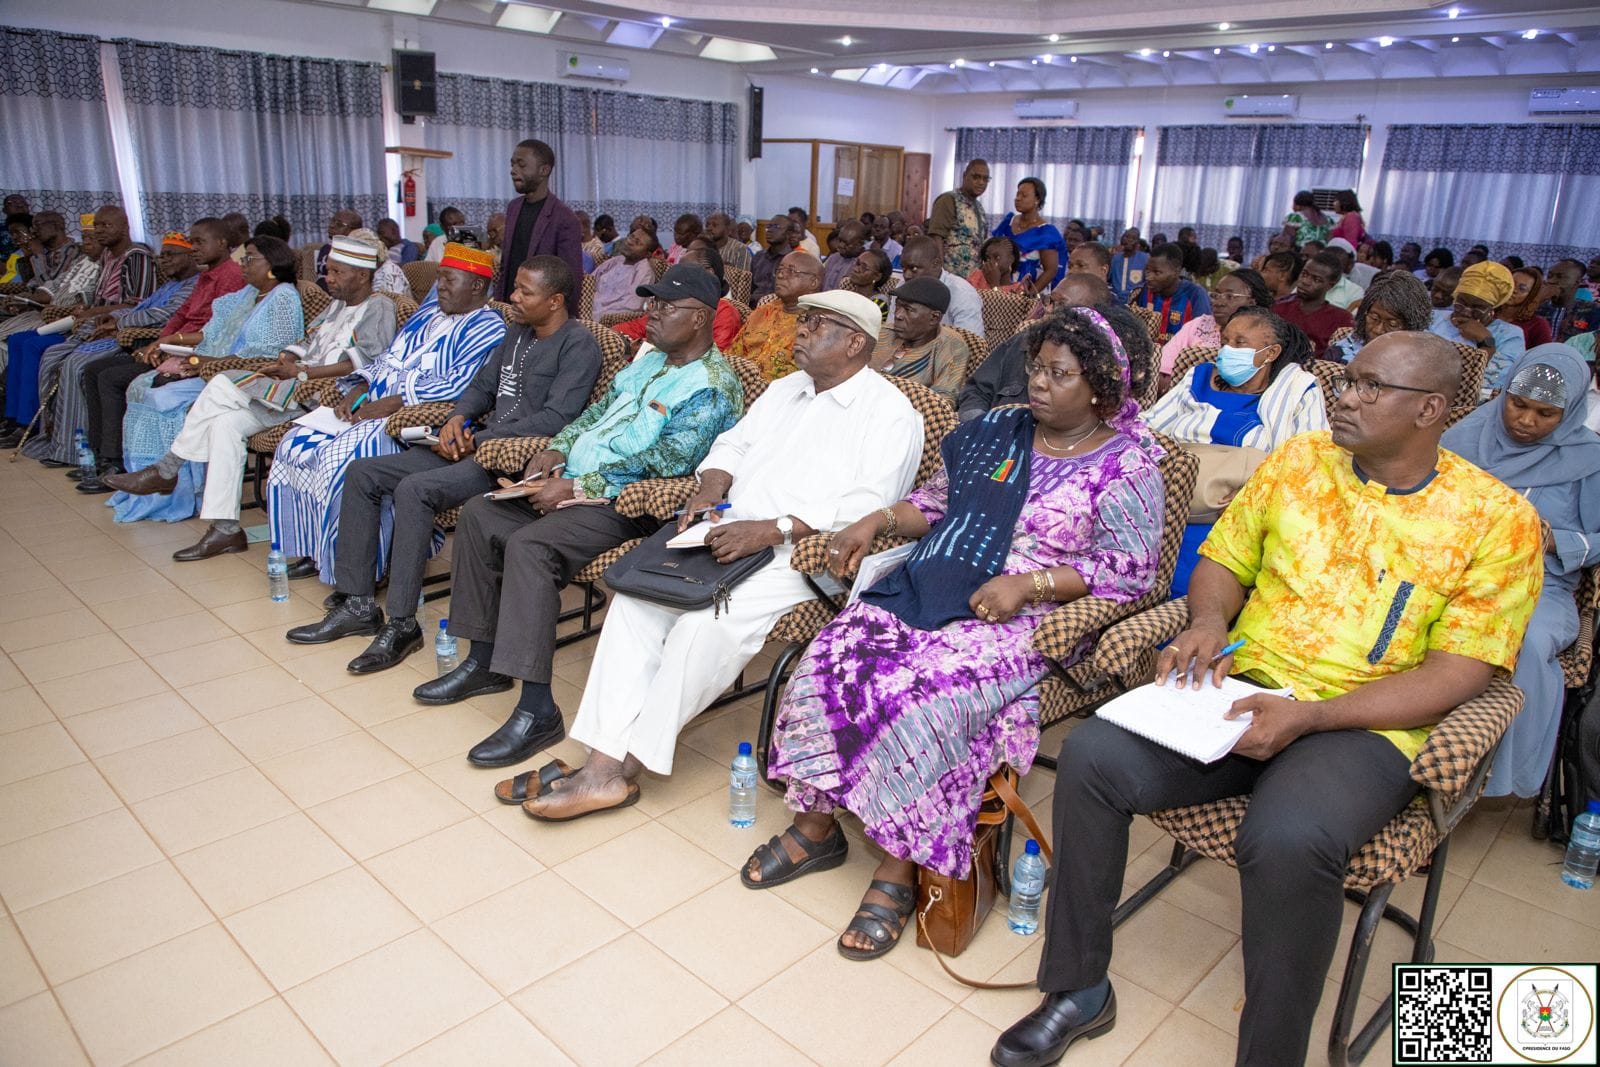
<point>1381,579</point>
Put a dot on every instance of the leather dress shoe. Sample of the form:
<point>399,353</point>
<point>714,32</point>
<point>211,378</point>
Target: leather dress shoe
<point>214,543</point>
<point>304,567</point>
<point>1043,1035</point>
<point>469,679</point>
<point>342,621</point>
<point>333,600</point>
<point>396,640</point>
<point>143,482</point>
<point>518,738</point>
<point>54,464</point>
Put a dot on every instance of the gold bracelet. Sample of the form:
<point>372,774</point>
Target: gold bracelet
<point>891,522</point>
<point>1038,586</point>
<point>1050,576</point>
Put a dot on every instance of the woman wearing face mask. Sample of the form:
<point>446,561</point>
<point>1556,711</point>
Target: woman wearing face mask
<point>1394,301</point>
<point>1242,288</point>
<point>1256,396</point>
<point>1532,438</point>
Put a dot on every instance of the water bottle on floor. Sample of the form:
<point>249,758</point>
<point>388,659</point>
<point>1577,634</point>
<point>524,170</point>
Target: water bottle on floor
<point>1027,886</point>
<point>1583,849</point>
<point>742,788</point>
<point>445,649</point>
<point>277,574</point>
<point>80,442</point>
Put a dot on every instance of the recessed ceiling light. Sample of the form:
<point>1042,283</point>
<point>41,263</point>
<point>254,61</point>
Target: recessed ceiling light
<point>1046,58</point>
<point>1165,54</point>
<point>1144,51</point>
<point>1054,37</point>
<point>1453,12</point>
<point>846,41</point>
<point>991,62</point>
<point>814,70</point>
<point>1455,40</point>
<point>1224,26</point>
<point>1254,48</point>
<point>1034,62</point>
<point>1216,51</point>
<point>1074,59</point>
<point>1329,44</point>
<point>666,23</point>
<point>1272,48</point>
<point>961,62</point>
<point>1530,35</point>
<point>1385,42</point>
<point>882,67</point>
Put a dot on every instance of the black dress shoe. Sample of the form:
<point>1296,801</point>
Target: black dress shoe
<point>396,640</point>
<point>333,600</point>
<point>518,738</point>
<point>1043,1035</point>
<point>342,621</point>
<point>75,474</point>
<point>99,482</point>
<point>470,679</point>
<point>304,567</point>
<point>55,464</point>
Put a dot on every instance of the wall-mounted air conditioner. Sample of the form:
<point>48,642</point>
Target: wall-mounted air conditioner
<point>599,68</point>
<point>1257,105</point>
<point>1045,108</point>
<point>1571,100</point>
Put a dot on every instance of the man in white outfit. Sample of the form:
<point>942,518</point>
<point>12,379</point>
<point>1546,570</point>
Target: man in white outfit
<point>821,447</point>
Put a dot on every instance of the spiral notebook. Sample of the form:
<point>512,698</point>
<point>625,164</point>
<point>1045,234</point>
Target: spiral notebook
<point>1188,721</point>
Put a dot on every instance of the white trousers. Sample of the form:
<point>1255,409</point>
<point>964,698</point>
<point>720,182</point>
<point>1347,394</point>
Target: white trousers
<point>658,667</point>
<point>219,423</point>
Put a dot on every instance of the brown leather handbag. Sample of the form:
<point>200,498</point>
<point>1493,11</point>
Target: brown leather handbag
<point>950,910</point>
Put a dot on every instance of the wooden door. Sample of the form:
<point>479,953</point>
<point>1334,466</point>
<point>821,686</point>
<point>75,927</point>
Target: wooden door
<point>914,185</point>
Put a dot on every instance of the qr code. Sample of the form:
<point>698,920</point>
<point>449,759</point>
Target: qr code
<point>1443,1015</point>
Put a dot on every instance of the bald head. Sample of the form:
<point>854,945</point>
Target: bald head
<point>111,227</point>
<point>798,273</point>
<point>1080,290</point>
<point>1424,360</point>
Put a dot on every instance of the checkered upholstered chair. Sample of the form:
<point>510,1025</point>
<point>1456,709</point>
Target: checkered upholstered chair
<point>1152,323</point>
<point>586,297</point>
<point>1189,359</point>
<point>978,349</point>
<point>739,283</point>
<point>420,275</point>
<point>1450,770</point>
<point>305,263</point>
<point>1003,314</point>
<point>1340,334</point>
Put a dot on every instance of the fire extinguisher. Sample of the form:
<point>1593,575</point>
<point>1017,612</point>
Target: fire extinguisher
<point>408,194</point>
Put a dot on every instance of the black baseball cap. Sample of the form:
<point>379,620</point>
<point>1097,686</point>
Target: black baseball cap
<point>685,281</point>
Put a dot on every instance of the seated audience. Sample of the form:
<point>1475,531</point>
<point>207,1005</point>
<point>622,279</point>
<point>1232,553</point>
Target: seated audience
<point>684,231</point>
<point>605,230</point>
<point>883,239</point>
<point>1127,266</point>
<point>1236,251</point>
<point>537,381</point>
<point>1395,301</point>
<point>779,234</point>
<point>1174,298</point>
<point>1372,258</point>
<point>1522,310</point>
<point>868,277</point>
<point>341,224</point>
<point>1044,251</point>
<point>846,242</point>
<point>997,267</point>
<point>451,219</point>
<point>401,250</point>
<point>1442,291</point>
<point>434,357</point>
<point>1384,581</point>
<point>924,258</point>
<point>719,231</point>
<point>618,277</point>
<point>915,344</point>
<point>703,254</point>
<point>1280,270</point>
<point>494,236</point>
<point>1091,257</point>
<point>827,443</point>
<point>1351,227</point>
<point>805,240</point>
<point>1470,318</point>
<point>1211,269</point>
<point>512,557</point>
<point>355,329</point>
<point>1305,221</point>
<point>1345,293</point>
<point>1033,508</point>
<point>73,287</point>
<point>1561,296</point>
<point>1533,439</point>
<point>588,241</point>
<point>389,279</point>
<point>1308,307</point>
<point>277,226</point>
<point>1235,290</point>
<point>768,334</point>
<point>1439,259</point>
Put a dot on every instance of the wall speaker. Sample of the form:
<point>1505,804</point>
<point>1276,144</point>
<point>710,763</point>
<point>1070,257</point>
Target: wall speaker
<point>754,133</point>
<point>415,91</point>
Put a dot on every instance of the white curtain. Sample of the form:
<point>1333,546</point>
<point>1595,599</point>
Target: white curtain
<point>1084,169</point>
<point>1526,190</point>
<point>55,140</point>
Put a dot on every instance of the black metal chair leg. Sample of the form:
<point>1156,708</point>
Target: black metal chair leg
<point>769,705</point>
<point>1183,858</point>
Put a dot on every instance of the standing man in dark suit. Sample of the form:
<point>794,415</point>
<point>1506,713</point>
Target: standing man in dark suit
<point>537,222</point>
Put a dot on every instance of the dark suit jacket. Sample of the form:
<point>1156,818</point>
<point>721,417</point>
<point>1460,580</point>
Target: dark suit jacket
<point>554,234</point>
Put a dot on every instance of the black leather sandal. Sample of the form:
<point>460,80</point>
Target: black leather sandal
<point>776,868</point>
<point>553,771</point>
<point>882,926</point>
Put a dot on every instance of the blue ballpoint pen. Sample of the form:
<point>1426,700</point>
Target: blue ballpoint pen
<point>1227,650</point>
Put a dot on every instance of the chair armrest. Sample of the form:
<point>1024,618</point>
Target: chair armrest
<point>810,554</point>
<point>509,455</point>
<point>53,312</point>
<point>1062,631</point>
<point>432,414</point>
<point>1120,646</point>
<point>1454,761</point>
<point>136,336</point>
<point>210,368</point>
<point>656,498</point>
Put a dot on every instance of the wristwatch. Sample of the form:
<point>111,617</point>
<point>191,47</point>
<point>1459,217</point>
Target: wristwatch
<point>303,376</point>
<point>786,529</point>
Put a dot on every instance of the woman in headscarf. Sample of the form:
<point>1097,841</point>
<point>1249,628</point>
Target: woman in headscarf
<point>1532,438</point>
<point>1522,311</point>
<point>908,702</point>
<point>1469,319</point>
<point>1394,301</point>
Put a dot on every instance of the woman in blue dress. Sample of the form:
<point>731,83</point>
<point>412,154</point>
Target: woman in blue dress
<point>1044,250</point>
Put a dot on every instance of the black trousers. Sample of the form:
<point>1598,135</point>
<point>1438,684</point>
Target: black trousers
<point>1312,807</point>
<point>105,393</point>
<point>510,564</point>
<point>420,482</point>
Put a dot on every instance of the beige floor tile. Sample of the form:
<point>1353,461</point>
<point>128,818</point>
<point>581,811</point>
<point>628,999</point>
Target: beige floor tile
<point>233,589</point>
<point>143,612</point>
<point>1183,1038</point>
<point>388,814</point>
<point>35,805</point>
<point>19,975</point>
<point>138,722</point>
<point>993,949</point>
<point>209,811</point>
<point>1207,888</point>
<point>149,1000</point>
<point>37,750</point>
<point>65,658</point>
<point>84,931</point>
<point>704,821</point>
<point>733,1033</point>
<point>224,699</point>
<point>853,998</point>
<point>67,542</point>
<point>831,897</point>
<point>73,857</point>
<point>313,929</point>
<point>473,786</point>
<point>524,933</point>
<point>711,934</point>
<point>693,776</point>
<point>35,1033</point>
<point>166,635</point>
<point>22,634</point>
<point>499,1035</point>
<point>10,678</point>
<point>1497,926</point>
<point>259,864</point>
<point>375,699</point>
<point>267,1035</point>
<point>95,566</point>
<point>433,734</point>
<point>1470,841</point>
<point>959,1037</point>
<point>203,663</point>
<point>1530,870</point>
<point>262,612</point>
<point>262,735</point>
<point>678,871</point>
<point>391,1000</point>
<point>451,868</point>
<point>333,768</point>
<point>101,688</point>
<point>137,583</point>
<point>555,843</point>
<point>171,763</point>
<point>631,971</point>
<point>1144,949</point>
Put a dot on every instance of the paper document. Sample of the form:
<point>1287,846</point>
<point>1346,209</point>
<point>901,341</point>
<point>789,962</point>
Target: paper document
<point>1188,721</point>
<point>694,537</point>
<point>177,350</point>
<point>875,566</point>
<point>323,420</point>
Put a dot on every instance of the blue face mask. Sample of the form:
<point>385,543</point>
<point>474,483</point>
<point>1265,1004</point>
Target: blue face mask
<point>1236,365</point>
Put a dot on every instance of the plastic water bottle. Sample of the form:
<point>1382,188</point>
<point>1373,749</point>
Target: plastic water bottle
<point>445,649</point>
<point>742,788</point>
<point>277,574</point>
<point>1583,849</point>
<point>1027,887</point>
<point>80,441</point>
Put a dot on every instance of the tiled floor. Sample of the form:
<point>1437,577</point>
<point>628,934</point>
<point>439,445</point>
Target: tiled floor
<point>216,847</point>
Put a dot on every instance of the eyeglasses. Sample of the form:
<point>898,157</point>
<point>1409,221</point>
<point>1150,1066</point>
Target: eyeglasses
<point>655,305</point>
<point>1367,389</point>
<point>1057,375</point>
<point>812,320</point>
<point>790,272</point>
<point>250,257</point>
